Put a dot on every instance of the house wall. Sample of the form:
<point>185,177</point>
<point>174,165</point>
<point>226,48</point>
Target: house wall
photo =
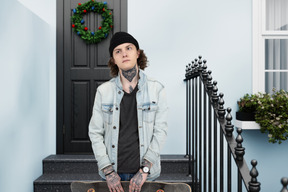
<point>172,33</point>
<point>28,91</point>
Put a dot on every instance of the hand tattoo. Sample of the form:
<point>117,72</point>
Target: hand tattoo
<point>137,181</point>
<point>130,73</point>
<point>113,182</point>
<point>113,179</point>
<point>138,178</point>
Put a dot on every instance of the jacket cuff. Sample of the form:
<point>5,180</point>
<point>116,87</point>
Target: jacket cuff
<point>103,162</point>
<point>151,157</point>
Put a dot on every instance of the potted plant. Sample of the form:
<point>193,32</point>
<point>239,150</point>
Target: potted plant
<point>270,112</point>
<point>247,107</point>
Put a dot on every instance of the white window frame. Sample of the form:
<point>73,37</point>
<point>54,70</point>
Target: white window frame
<point>259,35</point>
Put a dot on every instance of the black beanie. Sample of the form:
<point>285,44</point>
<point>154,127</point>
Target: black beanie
<point>120,38</point>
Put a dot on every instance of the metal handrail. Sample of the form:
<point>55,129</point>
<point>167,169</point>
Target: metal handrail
<point>210,132</point>
<point>202,128</point>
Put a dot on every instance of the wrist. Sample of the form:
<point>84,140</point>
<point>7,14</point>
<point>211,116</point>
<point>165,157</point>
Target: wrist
<point>107,169</point>
<point>146,163</point>
<point>109,173</point>
<point>145,169</point>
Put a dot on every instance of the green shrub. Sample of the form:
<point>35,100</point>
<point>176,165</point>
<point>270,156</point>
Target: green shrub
<point>271,113</point>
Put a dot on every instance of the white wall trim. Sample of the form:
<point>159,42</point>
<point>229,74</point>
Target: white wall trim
<point>258,73</point>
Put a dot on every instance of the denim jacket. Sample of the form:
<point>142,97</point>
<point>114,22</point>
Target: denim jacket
<point>152,122</point>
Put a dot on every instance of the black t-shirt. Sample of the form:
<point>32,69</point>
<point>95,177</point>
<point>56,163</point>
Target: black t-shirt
<point>128,142</point>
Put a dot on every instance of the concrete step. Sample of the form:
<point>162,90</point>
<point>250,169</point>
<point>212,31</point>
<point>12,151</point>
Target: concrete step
<point>87,164</point>
<point>60,170</point>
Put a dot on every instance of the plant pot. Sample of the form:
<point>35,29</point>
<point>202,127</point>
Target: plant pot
<point>244,116</point>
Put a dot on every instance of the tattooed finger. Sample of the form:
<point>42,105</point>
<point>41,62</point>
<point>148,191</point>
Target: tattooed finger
<point>118,189</point>
<point>131,188</point>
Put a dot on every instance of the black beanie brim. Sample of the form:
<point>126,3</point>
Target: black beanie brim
<point>120,38</point>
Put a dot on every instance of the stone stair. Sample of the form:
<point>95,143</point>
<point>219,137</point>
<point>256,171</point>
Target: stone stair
<point>60,170</point>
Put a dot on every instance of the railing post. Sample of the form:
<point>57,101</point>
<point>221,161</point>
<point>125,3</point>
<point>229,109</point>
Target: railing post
<point>209,83</point>
<point>204,71</point>
<point>195,124</point>
<point>196,65</point>
<point>221,110</point>
<point>239,150</point>
<point>214,95</point>
<point>193,127</point>
<point>200,69</point>
<point>254,185</point>
<point>187,112</point>
<point>215,145</point>
<point>209,91</point>
<point>200,123</point>
<point>284,182</point>
<point>188,76</point>
<point>221,114</point>
<point>189,123</point>
<point>204,80</point>
<point>228,126</point>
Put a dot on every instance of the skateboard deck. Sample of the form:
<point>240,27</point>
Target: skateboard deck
<point>101,186</point>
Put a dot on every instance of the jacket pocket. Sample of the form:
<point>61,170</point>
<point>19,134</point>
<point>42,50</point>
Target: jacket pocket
<point>107,111</point>
<point>149,112</point>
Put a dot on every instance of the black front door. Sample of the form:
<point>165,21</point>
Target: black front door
<point>81,68</point>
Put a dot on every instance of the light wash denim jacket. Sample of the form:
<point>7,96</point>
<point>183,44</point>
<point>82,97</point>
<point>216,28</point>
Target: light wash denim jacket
<point>152,122</point>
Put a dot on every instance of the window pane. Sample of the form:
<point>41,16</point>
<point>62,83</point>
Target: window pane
<point>276,80</point>
<point>277,15</point>
<point>276,54</point>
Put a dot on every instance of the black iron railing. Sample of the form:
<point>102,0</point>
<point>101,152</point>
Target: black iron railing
<point>211,144</point>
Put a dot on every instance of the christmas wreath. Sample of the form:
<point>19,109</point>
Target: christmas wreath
<point>78,23</point>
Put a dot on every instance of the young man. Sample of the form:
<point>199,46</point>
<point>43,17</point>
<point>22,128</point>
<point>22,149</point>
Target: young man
<point>129,122</point>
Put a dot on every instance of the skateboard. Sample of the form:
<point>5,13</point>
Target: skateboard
<point>148,186</point>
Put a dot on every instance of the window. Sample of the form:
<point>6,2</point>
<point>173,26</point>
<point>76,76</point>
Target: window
<point>270,45</point>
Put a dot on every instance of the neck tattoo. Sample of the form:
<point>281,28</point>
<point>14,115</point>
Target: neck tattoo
<point>129,74</point>
<point>131,89</point>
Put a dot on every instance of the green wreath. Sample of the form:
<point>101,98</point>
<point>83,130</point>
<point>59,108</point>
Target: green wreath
<point>78,22</point>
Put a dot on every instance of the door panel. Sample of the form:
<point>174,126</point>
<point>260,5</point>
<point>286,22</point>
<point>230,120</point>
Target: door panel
<point>81,68</point>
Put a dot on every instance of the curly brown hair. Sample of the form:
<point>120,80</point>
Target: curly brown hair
<point>141,61</point>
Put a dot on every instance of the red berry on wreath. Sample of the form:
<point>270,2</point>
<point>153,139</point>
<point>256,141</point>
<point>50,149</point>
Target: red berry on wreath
<point>84,11</point>
<point>79,3</point>
<point>86,28</point>
<point>103,9</point>
<point>100,27</point>
<point>73,25</point>
<point>111,26</point>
